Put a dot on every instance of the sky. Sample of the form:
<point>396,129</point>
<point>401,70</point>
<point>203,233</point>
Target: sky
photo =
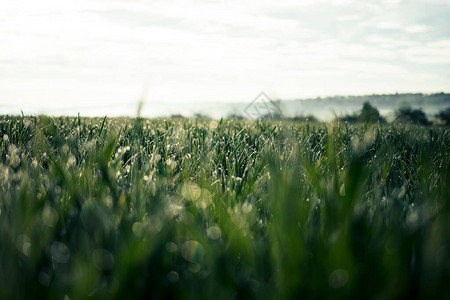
<point>101,57</point>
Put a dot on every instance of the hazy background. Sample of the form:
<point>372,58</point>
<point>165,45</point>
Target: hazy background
<point>100,57</point>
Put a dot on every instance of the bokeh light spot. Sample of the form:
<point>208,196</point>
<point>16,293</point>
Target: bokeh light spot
<point>192,251</point>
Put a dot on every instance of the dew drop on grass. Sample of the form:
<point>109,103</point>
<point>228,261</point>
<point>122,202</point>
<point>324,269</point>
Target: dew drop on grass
<point>171,164</point>
<point>103,259</point>
<point>214,233</point>
<point>44,278</point>
<point>213,125</point>
<point>57,189</point>
<point>194,267</point>
<point>23,244</point>
<point>246,207</point>
<point>138,228</point>
<point>412,218</point>
<point>171,247</point>
<point>109,201</point>
<point>173,276</point>
<point>338,278</point>
<point>191,191</point>
<point>71,161</point>
<point>60,253</point>
<point>49,216</point>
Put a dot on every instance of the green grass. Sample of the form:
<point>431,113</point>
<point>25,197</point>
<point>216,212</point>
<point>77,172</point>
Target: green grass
<point>187,209</point>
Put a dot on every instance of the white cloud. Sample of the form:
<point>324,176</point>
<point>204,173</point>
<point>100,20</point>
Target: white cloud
<point>347,18</point>
<point>437,52</point>
<point>389,25</point>
<point>105,51</point>
<point>417,28</point>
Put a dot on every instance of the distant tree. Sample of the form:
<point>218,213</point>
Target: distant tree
<point>201,116</point>
<point>348,118</point>
<point>308,118</point>
<point>370,114</point>
<point>177,116</point>
<point>444,115</point>
<point>235,116</point>
<point>413,116</point>
<point>273,116</point>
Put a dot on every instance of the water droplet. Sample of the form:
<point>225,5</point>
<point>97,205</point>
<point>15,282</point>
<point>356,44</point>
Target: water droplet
<point>49,216</point>
<point>338,278</point>
<point>173,276</point>
<point>138,228</point>
<point>246,207</point>
<point>412,217</point>
<point>60,253</point>
<point>192,251</point>
<point>103,259</point>
<point>194,267</point>
<point>213,125</point>
<point>214,233</point>
<point>191,191</point>
<point>171,247</point>
<point>44,279</point>
<point>71,161</point>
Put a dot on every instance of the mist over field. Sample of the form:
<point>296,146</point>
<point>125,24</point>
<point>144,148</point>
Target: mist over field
<point>324,109</point>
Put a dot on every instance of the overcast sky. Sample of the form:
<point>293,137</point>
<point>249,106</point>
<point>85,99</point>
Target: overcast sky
<point>68,56</point>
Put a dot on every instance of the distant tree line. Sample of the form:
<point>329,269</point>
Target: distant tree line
<point>368,114</point>
<point>404,115</point>
<point>444,116</point>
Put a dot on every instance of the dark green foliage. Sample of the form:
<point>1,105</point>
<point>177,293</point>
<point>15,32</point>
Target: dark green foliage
<point>235,116</point>
<point>369,114</point>
<point>308,118</point>
<point>189,209</point>
<point>444,116</point>
<point>353,118</point>
<point>201,116</point>
<point>176,116</point>
<point>274,116</point>
<point>411,116</point>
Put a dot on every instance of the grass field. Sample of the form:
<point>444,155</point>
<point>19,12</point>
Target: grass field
<point>188,209</point>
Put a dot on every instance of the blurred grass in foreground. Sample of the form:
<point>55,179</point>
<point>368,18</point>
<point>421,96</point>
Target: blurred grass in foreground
<point>232,209</point>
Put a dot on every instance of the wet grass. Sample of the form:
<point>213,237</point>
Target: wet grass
<point>115,208</point>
